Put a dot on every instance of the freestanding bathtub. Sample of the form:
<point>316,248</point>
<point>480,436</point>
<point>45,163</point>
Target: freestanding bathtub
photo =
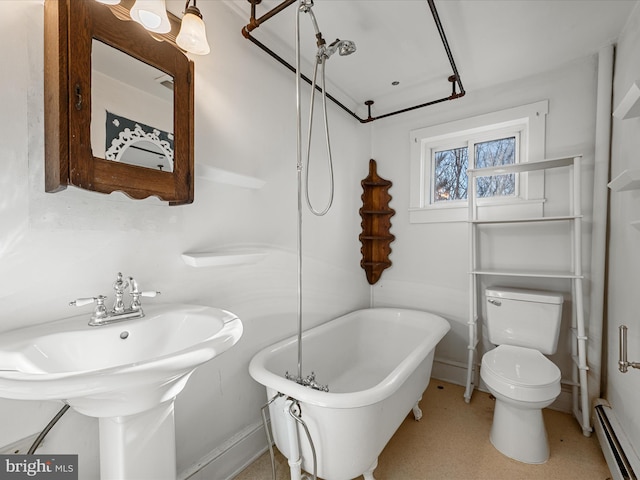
<point>376,362</point>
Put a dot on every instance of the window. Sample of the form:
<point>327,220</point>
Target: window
<point>450,174</point>
<point>449,177</point>
<point>492,153</point>
<point>441,156</point>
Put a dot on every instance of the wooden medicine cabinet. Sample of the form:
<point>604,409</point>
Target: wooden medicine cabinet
<point>104,131</point>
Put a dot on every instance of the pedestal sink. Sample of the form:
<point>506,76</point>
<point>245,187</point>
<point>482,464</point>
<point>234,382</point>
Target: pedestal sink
<point>127,374</point>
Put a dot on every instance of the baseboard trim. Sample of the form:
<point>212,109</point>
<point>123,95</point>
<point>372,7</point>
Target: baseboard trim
<point>233,456</point>
<point>449,371</point>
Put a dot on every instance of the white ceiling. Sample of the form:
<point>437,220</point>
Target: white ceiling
<point>492,41</point>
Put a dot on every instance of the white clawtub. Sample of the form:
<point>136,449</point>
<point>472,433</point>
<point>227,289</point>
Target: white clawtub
<point>376,362</point>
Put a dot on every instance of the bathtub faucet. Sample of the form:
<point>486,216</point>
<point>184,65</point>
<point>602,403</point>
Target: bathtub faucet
<point>308,381</point>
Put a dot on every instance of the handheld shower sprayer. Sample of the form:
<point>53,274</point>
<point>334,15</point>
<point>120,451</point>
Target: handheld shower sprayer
<point>344,47</point>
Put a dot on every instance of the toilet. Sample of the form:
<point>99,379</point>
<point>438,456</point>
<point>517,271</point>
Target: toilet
<point>525,325</point>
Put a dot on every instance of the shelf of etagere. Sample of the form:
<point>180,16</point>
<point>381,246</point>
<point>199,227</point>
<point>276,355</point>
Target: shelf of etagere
<point>524,273</point>
<point>528,220</point>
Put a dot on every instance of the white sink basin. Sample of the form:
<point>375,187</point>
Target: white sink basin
<point>118,369</point>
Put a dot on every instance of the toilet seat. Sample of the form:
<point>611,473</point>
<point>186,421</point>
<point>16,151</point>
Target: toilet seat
<point>521,373</point>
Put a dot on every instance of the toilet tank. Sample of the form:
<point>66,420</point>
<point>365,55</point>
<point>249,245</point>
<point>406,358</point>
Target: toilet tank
<point>525,318</point>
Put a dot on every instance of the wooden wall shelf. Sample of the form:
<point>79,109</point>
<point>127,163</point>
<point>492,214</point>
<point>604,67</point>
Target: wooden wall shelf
<point>376,224</point>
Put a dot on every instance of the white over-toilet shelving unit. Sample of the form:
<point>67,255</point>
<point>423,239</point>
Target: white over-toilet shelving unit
<point>578,381</point>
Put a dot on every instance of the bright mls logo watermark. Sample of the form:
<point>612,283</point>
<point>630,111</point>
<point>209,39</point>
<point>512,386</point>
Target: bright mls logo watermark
<point>39,467</point>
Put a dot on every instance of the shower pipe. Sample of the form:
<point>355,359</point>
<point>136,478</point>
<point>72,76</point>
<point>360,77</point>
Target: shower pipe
<point>453,79</point>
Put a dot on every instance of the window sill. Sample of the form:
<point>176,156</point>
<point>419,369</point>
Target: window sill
<point>449,214</point>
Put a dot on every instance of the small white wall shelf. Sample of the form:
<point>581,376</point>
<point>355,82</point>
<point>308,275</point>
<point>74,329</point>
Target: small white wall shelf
<point>219,175</point>
<point>222,258</point>
<point>629,107</point>
<point>627,180</point>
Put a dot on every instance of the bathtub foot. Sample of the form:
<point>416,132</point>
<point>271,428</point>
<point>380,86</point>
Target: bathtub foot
<point>417,413</point>
<point>368,475</point>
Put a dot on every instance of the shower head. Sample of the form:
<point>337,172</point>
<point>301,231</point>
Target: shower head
<point>343,47</point>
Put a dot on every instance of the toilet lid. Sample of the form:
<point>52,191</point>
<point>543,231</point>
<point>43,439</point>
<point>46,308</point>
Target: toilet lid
<point>521,366</point>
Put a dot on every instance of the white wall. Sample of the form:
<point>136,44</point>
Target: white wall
<point>57,247</point>
<point>624,255</point>
<point>431,261</point>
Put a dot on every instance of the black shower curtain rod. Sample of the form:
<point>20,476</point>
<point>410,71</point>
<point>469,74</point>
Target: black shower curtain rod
<point>454,79</point>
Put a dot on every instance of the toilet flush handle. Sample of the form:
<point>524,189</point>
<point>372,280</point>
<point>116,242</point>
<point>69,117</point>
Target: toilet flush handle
<point>492,301</point>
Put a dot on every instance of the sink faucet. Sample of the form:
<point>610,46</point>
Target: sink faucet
<point>119,312</point>
<point>119,286</point>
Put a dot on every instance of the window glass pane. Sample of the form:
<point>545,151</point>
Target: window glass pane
<point>491,154</point>
<point>450,174</point>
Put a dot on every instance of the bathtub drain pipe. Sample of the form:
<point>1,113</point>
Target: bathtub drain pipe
<point>292,408</point>
<point>295,460</point>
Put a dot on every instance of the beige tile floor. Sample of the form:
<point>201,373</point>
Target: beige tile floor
<point>452,442</point>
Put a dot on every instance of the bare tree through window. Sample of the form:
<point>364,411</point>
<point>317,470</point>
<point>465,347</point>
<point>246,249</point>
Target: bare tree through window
<point>450,170</point>
<point>451,174</point>
<point>492,154</point>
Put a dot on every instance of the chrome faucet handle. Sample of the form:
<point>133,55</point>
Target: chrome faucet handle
<point>81,302</point>
<point>99,312</point>
<point>135,297</point>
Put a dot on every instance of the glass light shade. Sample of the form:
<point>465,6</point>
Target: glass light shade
<point>109,2</point>
<point>193,34</point>
<point>152,15</point>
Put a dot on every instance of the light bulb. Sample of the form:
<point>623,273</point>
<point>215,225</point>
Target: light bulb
<point>193,33</point>
<point>152,15</point>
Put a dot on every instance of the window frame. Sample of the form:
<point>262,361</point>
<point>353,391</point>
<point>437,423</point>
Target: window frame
<point>526,122</point>
<point>470,142</point>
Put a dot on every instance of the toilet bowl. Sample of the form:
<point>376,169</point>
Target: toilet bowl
<point>524,325</point>
<point>523,381</point>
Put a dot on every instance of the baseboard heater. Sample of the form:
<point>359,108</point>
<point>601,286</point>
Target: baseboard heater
<point>622,460</point>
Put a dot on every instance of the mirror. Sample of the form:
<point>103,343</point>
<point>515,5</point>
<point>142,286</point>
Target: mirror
<point>104,130</point>
<point>131,110</point>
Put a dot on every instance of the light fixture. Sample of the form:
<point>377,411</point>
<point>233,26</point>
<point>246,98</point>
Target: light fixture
<point>152,14</point>
<point>193,34</point>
